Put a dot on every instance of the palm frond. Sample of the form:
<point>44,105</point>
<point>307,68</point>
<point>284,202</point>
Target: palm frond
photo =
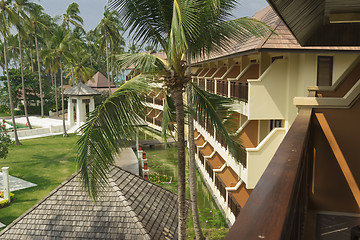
<point>143,62</point>
<point>168,120</point>
<point>109,128</point>
<point>213,109</point>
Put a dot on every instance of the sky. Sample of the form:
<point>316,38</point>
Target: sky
<point>92,10</point>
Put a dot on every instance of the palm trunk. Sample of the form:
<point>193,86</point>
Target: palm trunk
<point>56,96</point>
<point>23,82</point>
<point>62,97</point>
<point>31,60</point>
<point>17,142</point>
<point>192,170</point>
<point>107,63</point>
<point>111,63</point>
<point>51,76</point>
<point>73,75</point>
<point>179,105</point>
<point>38,62</point>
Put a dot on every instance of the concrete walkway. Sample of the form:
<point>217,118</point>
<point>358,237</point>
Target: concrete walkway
<point>127,160</point>
<point>16,183</point>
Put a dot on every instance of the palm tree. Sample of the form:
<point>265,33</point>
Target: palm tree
<point>109,28</point>
<point>71,16</point>
<point>178,27</point>
<point>8,16</point>
<point>38,20</point>
<point>60,47</point>
<point>23,8</point>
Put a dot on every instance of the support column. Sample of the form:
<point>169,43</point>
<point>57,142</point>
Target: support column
<point>79,111</point>
<point>92,104</point>
<point>5,171</point>
<point>70,112</point>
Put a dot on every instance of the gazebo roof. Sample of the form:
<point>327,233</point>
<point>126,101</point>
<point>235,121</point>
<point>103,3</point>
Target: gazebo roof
<point>99,81</point>
<point>129,207</point>
<point>81,90</point>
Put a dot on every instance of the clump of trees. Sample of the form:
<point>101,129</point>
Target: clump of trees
<point>43,54</point>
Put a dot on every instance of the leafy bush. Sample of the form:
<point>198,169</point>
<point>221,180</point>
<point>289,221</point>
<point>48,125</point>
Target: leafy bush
<point>4,109</point>
<point>158,178</point>
<point>4,142</point>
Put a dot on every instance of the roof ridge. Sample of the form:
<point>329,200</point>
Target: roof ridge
<point>39,203</point>
<point>128,207</point>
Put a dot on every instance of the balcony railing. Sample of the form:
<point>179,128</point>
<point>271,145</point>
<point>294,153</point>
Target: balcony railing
<point>277,206</point>
<point>158,122</point>
<point>233,205</point>
<point>222,87</point>
<point>239,90</point>
<point>202,83</point>
<point>159,101</point>
<point>220,186</point>
<point>210,85</point>
<point>149,119</point>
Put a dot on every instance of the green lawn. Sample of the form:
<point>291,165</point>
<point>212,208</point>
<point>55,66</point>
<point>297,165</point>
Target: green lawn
<point>45,161</point>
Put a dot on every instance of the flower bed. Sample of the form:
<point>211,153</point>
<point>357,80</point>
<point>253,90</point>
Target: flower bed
<point>5,202</point>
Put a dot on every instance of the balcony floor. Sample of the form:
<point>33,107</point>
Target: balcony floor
<point>335,227</point>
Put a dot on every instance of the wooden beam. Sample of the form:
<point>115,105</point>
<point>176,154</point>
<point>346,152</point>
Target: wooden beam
<point>339,157</point>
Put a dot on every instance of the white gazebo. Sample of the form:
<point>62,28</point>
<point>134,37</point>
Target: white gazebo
<point>81,95</point>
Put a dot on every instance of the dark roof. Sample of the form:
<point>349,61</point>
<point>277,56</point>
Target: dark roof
<point>129,208</point>
<point>99,81</point>
<point>81,90</point>
<point>321,22</point>
<point>282,39</point>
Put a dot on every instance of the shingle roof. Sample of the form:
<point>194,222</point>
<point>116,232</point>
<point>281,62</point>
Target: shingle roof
<point>282,39</point>
<point>81,90</point>
<point>129,208</point>
<point>99,81</point>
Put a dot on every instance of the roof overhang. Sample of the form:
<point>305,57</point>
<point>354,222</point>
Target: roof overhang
<point>321,22</point>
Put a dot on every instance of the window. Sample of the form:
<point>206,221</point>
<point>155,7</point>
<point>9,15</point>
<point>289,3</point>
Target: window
<point>324,70</point>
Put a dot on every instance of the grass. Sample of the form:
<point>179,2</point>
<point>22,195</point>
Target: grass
<point>164,162</point>
<point>45,161</point>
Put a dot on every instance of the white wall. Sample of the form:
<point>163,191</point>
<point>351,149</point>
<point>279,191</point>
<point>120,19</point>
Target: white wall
<point>267,94</point>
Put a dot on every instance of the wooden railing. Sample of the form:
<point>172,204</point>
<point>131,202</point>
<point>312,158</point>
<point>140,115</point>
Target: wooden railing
<point>220,186</point>
<point>201,157</point>
<point>159,101</point>
<point>202,83</point>
<point>158,122</point>
<point>210,85</point>
<point>222,87</point>
<point>233,205</point>
<point>220,139</point>
<point>149,119</point>
<point>277,206</point>
<point>209,169</point>
<point>239,90</point>
<point>148,99</point>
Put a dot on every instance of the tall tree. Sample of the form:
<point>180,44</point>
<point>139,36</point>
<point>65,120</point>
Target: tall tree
<point>60,46</point>
<point>23,8</point>
<point>179,28</point>
<point>109,28</point>
<point>71,16</point>
<point>39,22</point>
<point>8,16</point>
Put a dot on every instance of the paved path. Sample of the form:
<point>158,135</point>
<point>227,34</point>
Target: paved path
<point>127,160</point>
<point>16,183</point>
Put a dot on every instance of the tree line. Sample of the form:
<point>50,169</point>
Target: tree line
<point>39,54</point>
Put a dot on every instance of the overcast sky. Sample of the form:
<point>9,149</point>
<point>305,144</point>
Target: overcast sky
<point>92,10</point>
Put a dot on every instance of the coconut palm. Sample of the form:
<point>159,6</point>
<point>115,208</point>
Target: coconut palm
<point>23,8</point>
<point>178,27</point>
<point>39,22</point>
<point>60,47</point>
<point>71,16</point>
<point>7,17</point>
<point>109,29</point>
